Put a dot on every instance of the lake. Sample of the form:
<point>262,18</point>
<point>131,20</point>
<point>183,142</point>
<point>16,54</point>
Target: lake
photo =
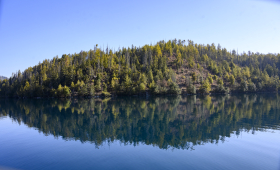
<point>167,132</point>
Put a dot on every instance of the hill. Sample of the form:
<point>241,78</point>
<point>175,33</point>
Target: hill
<point>170,67</point>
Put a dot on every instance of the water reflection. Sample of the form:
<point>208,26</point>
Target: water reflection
<point>177,122</point>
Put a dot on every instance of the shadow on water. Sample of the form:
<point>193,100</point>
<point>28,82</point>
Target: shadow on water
<point>165,122</point>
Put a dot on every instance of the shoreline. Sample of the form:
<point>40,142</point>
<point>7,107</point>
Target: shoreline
<point>147,94</point>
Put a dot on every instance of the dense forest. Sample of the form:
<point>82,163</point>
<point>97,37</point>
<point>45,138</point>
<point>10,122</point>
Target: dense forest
<point>174,121</point>
<point>171,67</point>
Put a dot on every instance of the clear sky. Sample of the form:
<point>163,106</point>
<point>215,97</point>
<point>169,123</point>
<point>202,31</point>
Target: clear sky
<point>32,30</point>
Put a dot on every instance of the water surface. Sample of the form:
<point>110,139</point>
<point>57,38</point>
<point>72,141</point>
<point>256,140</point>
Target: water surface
<point>210,132</point>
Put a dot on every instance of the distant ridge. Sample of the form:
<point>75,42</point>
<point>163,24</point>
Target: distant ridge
<point>2,78</point>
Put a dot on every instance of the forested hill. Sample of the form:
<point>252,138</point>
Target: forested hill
<point>170,67</point>
<point>3,78</point>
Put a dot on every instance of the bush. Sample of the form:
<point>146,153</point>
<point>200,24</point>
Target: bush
<point>72,86</point>
<point>66,91</point>
<point>160,87</point>
<point>231,79</point>
<point>220,82</point>
<point>142,87</point>
<point>98,85</point>
<point>156,89</point>
<point>244,85</point>
<point>259,86</point>
<point>174,88</point>
<point>215,77</point>
<point>82,90</point>
<point>193,76</point>
<point>91,90</point>
<point>252,87</point>
<point>191,63</point>
<point>105,94</point>
<point>59,91</point>
<point>210,80</point>
<point>152,85</point>
<point>221,89</point>
<point>104,86</point>
<point>191,89</point>
<point>53,93</point>
<point>215,70</point>
<point>62,91</point>
<point>143,79</point>
<point>205,87</point>
<point>227,77</point>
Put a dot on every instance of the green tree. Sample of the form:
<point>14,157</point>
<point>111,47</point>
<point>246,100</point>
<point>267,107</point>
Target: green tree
<point>82,91</point>
<point>59,91</point>
<point>244,85</point>
<point>98,85</point>
<point>231,79</point>
<point>126,83</point>
<point>193,76</point>
<point>143,79</point>
<point>205,87</point>
<point>142,87</point>
<point>66,91</point>
<point>90,89</point>
<point>220,82</point>
<point>150,77</point>
<point>115,83</point>
<point>210,79</point>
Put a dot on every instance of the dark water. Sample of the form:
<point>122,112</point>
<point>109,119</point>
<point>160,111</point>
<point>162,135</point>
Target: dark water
<point>211,132</point>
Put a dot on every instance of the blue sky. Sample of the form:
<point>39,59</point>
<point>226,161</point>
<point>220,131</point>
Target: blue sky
<point>32,30</point>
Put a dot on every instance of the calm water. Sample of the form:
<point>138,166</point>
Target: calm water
<point>212,132</point>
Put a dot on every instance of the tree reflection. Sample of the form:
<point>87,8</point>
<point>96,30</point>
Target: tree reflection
<point>173,121</point>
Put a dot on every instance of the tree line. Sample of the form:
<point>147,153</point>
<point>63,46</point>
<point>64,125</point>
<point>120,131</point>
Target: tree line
<point>171,67</point>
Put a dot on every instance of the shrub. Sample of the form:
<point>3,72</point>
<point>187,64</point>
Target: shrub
<point>210,79</point>
<point>142,87</point>
<point>215,77</point>
<point>82,91</point>
<point>244,85</point>
<point>205,87</point>
<point>252,87</point>
<point>105,94</point>
<point>259,85</point>
<point>231,79</point>
<point>104,86</point>
<point>221,89</point>
<point>193,76</point>
<point>227,77</point>
<point>91,90</point>
<point>174,88</point>
<point>98,85</point>
<point>66,91</point>
<point>191,89</point>
<point>220,82</point>
<point>59,91</point>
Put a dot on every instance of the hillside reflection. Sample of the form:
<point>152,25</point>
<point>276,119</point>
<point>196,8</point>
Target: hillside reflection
<point>177,122</point>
